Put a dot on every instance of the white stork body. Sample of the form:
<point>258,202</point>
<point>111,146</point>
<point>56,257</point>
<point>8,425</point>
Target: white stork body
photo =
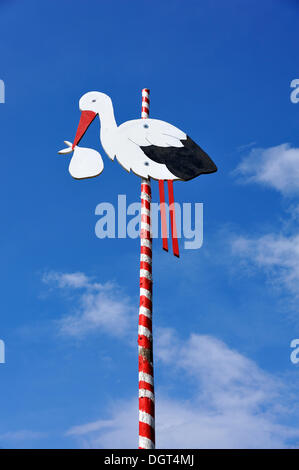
<point>126,141</point>
<point>149,147</point>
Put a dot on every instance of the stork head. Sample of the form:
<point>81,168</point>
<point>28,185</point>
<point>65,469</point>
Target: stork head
<point>94,101</point>
<point>90,104</point>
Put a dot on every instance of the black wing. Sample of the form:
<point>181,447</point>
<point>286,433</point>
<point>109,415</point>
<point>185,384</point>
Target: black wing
<point>184,162</point>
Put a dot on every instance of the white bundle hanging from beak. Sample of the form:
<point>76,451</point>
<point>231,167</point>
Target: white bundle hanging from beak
<point>85,163</point>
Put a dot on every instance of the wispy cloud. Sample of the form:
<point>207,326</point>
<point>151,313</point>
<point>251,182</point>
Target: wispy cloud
<point>102,307</point>
<point>276,167</point>
<point>233,404</point>
<point>75,280</point>
<point>246,147</point>
<point>277,254</point>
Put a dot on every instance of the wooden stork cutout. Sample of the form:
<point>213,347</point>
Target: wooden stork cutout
<point>149,147</point>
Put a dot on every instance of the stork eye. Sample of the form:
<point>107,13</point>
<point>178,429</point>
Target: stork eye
<point>145,125</point>
<point>94,101</point>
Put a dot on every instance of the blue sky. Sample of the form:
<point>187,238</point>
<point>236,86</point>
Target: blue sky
<point>224,316</point>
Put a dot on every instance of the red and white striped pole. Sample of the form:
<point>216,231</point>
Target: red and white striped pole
<point>145,338</point>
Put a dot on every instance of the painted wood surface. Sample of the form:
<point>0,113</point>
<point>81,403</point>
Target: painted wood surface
<point>85,162</point>
<point>145,332</point>
<point>150,148</point>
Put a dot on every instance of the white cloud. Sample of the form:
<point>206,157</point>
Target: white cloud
<point>75,280</point>
<point>233,404</point>
<point>276,167</point>
<point>277,254</point>
<point>102,307</point>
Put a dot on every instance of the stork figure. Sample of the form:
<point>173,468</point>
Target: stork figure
<point>149,147</point>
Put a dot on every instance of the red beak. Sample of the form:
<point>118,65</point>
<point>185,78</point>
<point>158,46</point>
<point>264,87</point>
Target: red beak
<point>86,119</point>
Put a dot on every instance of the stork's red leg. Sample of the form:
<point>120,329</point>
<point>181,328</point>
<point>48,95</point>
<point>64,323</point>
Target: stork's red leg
<point>163,215</point>
<point>175,245</point>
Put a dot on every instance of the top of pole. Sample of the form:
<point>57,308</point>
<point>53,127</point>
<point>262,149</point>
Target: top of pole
<point>145,103</point>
